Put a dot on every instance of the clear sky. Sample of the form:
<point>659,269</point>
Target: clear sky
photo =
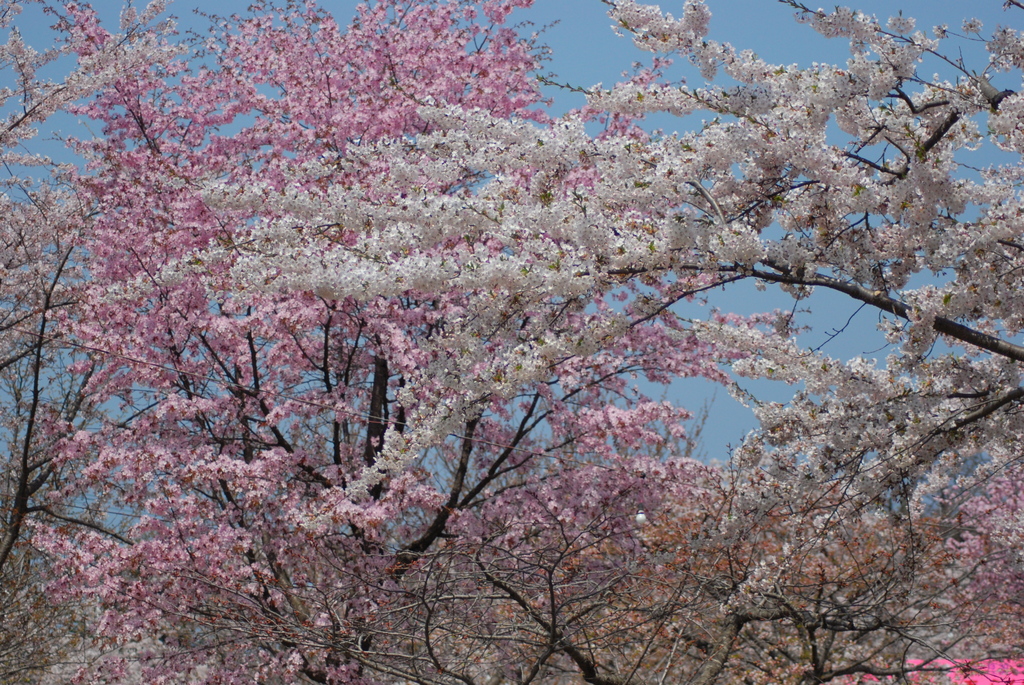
<point>586,51</point>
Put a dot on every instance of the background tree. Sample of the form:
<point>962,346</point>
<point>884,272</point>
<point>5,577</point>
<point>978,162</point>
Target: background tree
<point>818,592</point>
<point>43,377</point>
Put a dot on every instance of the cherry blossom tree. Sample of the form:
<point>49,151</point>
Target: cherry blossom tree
<point>40,396</point>
<point>702,592</point>
<point>817,592</point>
<point>372,324</point>
<point>43,379</point>
<point>987,529</point>
<point>295,455</point>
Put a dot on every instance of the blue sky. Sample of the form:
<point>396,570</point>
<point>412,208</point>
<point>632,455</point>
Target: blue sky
<point>586,51</point>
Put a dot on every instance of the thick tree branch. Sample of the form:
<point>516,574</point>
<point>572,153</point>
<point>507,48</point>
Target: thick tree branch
<point>882,301</point>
